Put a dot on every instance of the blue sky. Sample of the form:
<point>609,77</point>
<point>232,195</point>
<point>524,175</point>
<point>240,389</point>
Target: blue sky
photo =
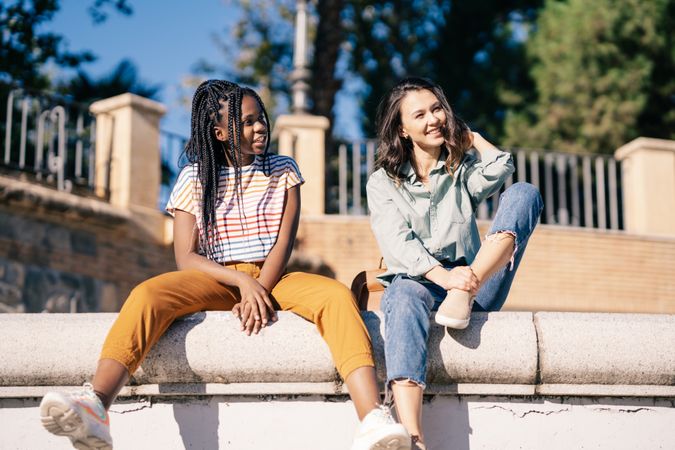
<point>165,39</point>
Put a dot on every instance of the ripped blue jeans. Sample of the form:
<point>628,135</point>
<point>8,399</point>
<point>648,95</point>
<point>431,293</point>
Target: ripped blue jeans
<point>407,304</point>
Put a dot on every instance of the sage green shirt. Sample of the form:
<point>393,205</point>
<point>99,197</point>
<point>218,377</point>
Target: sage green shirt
<point>417,228</point>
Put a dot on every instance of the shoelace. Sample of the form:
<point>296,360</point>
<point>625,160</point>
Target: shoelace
<point>385,412</point>
<point>88,391</point>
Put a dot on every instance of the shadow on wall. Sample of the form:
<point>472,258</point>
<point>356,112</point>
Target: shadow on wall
<point>451,429</point>
<point>309,264</point>
<point>197,420</point>
<point>196,415</point>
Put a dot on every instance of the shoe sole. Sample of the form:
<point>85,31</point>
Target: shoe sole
<point>393,438</point>
<point>450,322</point>
<point>392,444</point>
<point>61,420</point>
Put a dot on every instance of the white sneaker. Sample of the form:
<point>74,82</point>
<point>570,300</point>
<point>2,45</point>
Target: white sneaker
<point>379,431</point>
<point>80,416</point>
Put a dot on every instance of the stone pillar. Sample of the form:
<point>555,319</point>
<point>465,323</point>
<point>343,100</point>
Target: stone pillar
<point>128,162</point>
<point>303,137</point>
<point>648,167</point>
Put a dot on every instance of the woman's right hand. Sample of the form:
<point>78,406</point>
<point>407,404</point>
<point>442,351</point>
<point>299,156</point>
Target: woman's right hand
<point>461,277</point>
<point>255,308</point>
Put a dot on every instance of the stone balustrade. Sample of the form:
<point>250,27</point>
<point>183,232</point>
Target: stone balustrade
<point>512,380</point>
<point>512,353</point>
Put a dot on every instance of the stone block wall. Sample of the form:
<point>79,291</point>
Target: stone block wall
<point>63,253</point>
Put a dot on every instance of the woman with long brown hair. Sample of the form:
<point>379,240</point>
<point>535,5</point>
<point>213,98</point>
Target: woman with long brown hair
<point>422,199</point>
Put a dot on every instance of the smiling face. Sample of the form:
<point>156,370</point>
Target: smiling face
<point>423,120</point>
<point>254,133</point>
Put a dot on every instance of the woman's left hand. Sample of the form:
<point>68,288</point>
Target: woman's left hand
<point>461,277</point>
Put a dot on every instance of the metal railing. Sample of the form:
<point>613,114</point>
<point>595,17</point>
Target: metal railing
<point>49,139</point>
<point>578,190</point>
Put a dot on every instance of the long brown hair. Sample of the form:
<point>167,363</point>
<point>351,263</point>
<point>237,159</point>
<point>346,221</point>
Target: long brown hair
<point>394,151</point>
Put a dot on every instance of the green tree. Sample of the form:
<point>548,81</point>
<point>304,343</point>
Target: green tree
<point>387,40</point>
<point>472,49</point>
<point>258,51</point>
<point>480,59</point>
<point>26,47</point>
<point>604,74</point>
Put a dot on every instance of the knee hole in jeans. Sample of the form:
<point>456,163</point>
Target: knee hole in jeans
<point>406,382</point>
<point>500,236</point>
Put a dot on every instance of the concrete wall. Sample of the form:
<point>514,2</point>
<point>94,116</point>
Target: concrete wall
<point>306,422</point>
<point>510,381</point>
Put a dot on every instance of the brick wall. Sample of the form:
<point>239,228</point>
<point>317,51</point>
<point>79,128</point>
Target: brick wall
<point>564,268</point>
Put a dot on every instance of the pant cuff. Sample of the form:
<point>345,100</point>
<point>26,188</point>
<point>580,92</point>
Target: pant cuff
<point>493,237</point>
<point>121,357</point>
<point>354,362</point>
<point>420,383</point>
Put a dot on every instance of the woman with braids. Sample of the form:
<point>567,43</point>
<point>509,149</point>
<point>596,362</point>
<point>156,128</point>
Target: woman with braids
<point>422,200</point>
<point>236,211</point>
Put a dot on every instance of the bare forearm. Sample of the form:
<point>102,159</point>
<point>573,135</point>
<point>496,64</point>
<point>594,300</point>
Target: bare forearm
<point>437,275</point>
<point>276,260</point>
<point>274,266</point>
<point>198,262</point>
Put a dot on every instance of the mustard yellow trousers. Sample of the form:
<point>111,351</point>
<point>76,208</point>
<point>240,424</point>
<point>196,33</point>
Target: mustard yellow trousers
<point>154,304</point>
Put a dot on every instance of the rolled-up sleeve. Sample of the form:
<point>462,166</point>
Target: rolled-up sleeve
<point>401,249</point>
<point>486,175</point>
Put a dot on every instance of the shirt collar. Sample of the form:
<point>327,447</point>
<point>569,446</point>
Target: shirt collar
<point>410,175</point>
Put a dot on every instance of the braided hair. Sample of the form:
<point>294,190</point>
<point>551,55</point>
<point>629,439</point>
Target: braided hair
<point>210,154</point>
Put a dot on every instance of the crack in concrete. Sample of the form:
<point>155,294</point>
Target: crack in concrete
<point>622,410</point>
<point>558,411</point>
<point>126,411</point>
<point>524,413</point>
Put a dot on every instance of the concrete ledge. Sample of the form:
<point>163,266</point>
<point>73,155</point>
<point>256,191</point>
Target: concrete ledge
<point>31,196</point>
<point>496,349</point>
<point>499,354</point>
<point>606,349</point>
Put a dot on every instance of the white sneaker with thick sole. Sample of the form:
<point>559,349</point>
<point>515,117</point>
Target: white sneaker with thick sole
<point>78,415</point>
<point>379,431</point>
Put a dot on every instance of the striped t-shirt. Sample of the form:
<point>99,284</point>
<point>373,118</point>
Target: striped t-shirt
<point>245,230</point>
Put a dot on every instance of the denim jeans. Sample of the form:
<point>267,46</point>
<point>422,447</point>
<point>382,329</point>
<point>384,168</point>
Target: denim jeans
<point>407,303</point>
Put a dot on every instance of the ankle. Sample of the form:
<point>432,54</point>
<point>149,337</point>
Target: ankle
<point>417,438</point>
<point>105,400</point>
<point>458,294</point>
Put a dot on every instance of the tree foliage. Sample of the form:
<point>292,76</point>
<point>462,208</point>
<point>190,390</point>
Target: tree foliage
<point>257,50</point>
<point>559,74</point>
<point>480,59</point>
<point>469,48</point>
<point>26,48</point>
<point>604,74</point>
